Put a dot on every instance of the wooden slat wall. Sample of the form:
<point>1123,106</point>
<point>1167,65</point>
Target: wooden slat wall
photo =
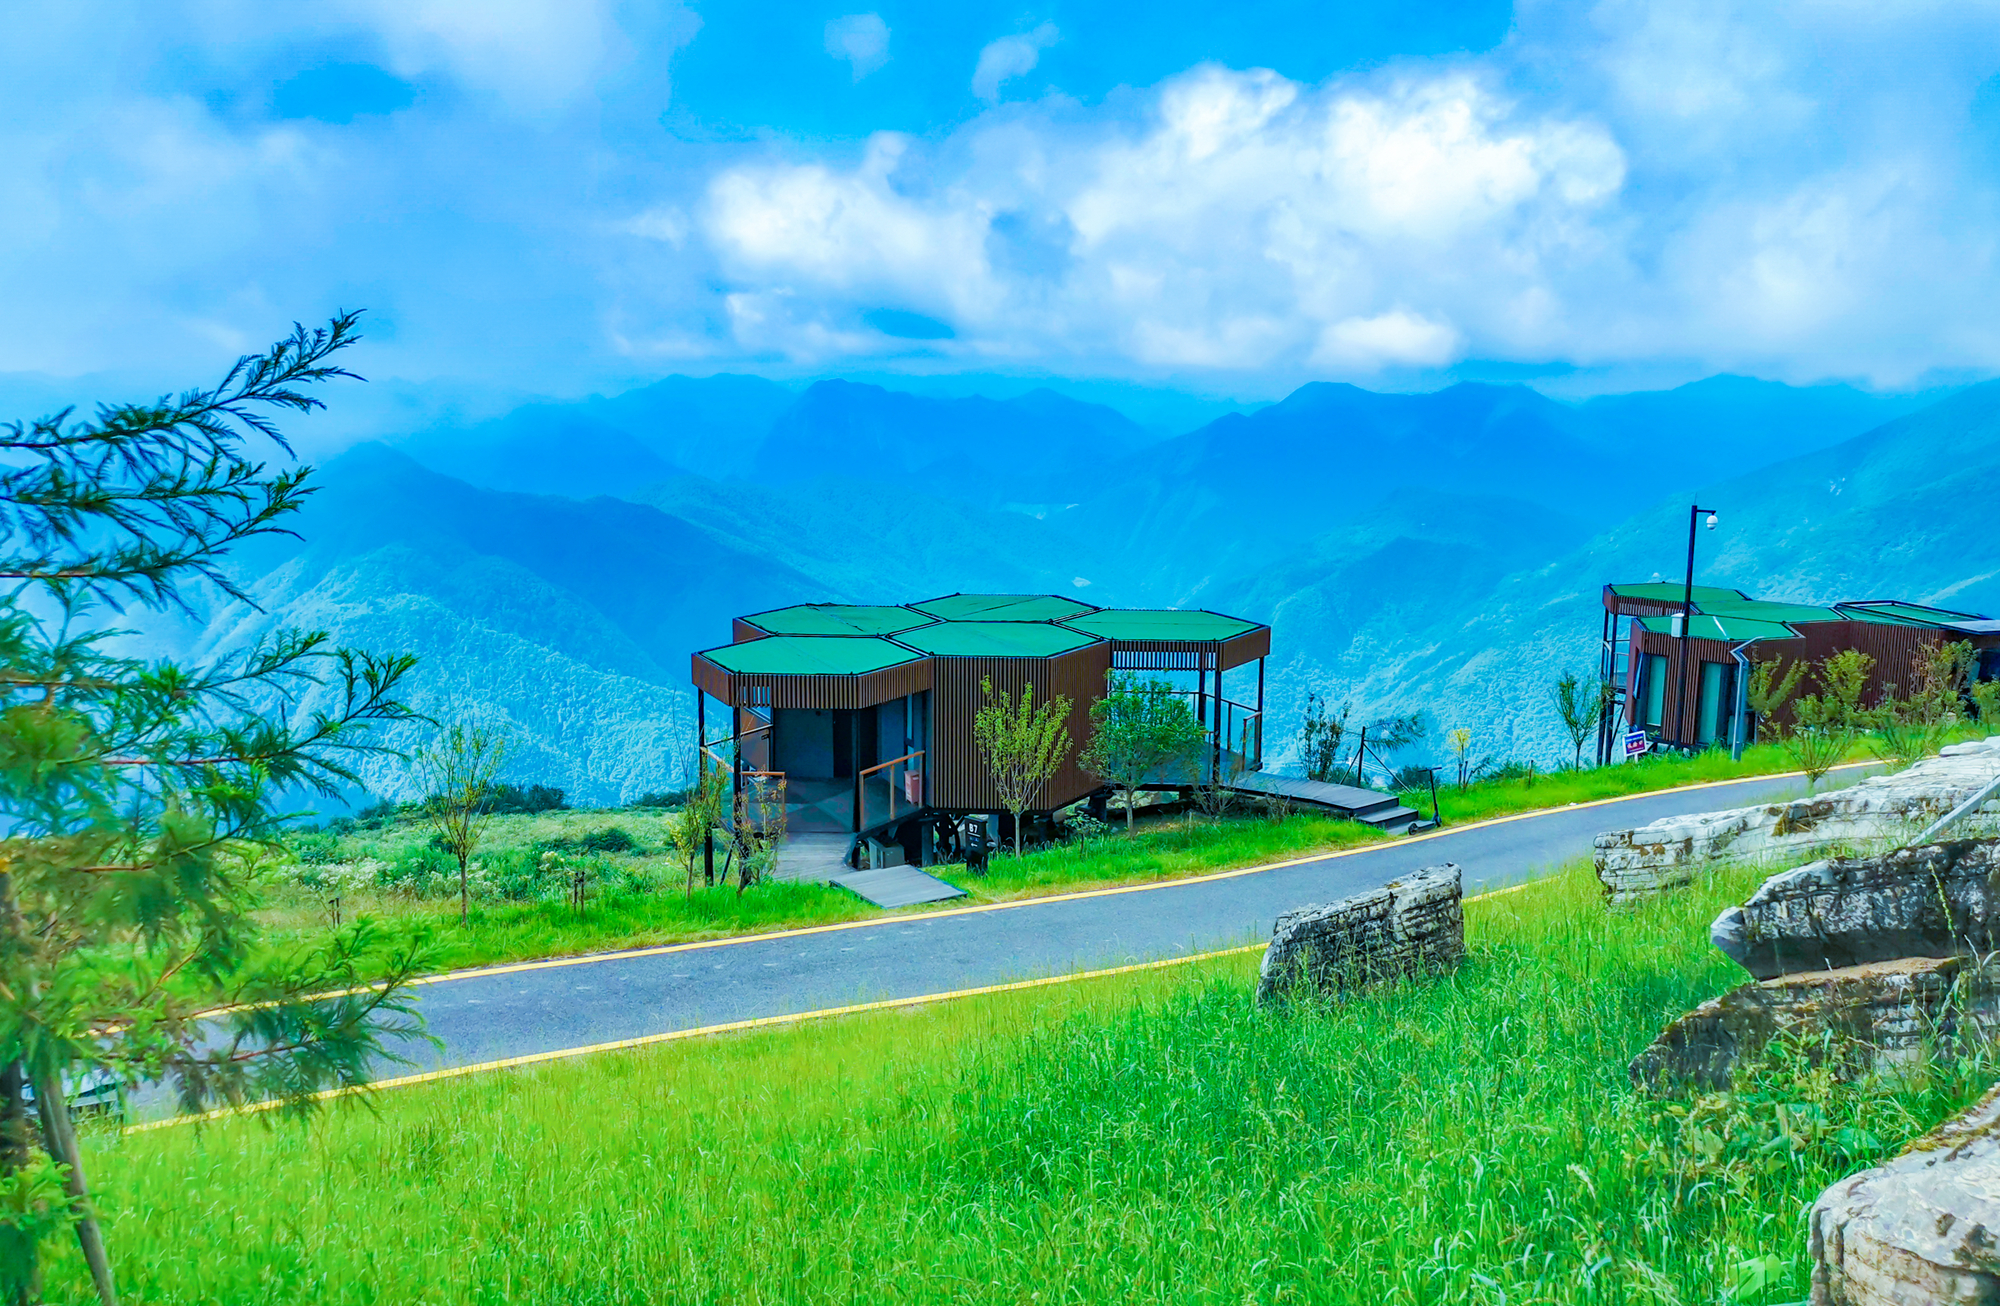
<point>1892,647</point>
<point>958,778</point>
<point>742,632</point>
<point>1246,648</point>
<point>824,693</point>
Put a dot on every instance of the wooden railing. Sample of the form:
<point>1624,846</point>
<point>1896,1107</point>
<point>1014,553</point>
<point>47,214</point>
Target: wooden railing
<point>898,785</point>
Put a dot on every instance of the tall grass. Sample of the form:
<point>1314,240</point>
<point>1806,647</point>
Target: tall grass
<point>1149,1138</point>
<point>1160,848</point>
<point>1503,796</point>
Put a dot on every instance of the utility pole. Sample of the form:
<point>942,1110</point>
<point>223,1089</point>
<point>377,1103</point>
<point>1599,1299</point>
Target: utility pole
<point>1681,731</point>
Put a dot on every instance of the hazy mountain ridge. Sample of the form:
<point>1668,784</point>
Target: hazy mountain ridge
<point>1450,566</point>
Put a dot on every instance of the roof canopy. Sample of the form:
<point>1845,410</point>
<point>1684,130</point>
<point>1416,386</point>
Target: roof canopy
<point>1003,607</point>
<point>810,655</point>
<point>1733,615</point>
<point>848,656</point>
<point>996,639</point>
<point>836,619</point>
<point>1160,624</point>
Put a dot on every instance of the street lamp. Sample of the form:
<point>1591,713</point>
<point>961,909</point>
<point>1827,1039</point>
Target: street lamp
<point>1687,617</point>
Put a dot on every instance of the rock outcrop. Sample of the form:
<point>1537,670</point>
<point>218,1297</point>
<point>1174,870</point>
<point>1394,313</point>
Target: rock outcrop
<point>1866,1018</point>
<point>1937,900</point>
<point>1636,864</point>
<point>1411,926</point>
<point>1923,1228</point>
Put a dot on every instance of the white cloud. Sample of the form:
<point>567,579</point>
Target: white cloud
<point>1008,58</point>
<point>861,39</point>
<point>1249,223</point>
<point>532,52</point>
<point>1397,337</point>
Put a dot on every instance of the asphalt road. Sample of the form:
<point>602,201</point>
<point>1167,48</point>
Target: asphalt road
<point>486,1016</point>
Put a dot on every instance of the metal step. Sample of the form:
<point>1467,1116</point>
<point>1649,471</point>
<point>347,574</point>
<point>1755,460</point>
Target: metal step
<point>1395,816</point>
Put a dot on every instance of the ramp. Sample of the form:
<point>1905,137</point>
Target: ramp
<point>1369,806</point>
<point>896,886</point>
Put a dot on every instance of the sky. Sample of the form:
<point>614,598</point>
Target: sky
<point>559,196</point>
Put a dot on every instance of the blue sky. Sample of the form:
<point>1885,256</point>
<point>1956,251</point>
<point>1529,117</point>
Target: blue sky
<point>563,195</point>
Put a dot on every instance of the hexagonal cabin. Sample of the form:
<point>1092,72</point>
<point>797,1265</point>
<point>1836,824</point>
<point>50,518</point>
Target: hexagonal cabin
<point>861,716</point>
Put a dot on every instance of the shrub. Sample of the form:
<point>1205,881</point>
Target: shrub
<point>518,800</point>
<point>314,848</point>
<point>419,869</point>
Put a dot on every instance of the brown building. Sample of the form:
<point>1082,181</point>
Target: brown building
<point>1681,678</point>
<point>861,717</point>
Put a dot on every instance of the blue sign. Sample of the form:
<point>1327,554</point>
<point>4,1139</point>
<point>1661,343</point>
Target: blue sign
<point>1635,743</point>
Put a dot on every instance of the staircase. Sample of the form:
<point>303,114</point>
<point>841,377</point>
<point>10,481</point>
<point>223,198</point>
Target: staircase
<point>1368,806</point>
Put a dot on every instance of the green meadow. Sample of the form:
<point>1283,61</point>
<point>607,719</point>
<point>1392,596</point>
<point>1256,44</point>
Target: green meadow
<point>636,894</point>
<point>1149,1137</point>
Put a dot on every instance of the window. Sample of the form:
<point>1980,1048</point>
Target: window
<point>1711,720</point>
<point>1653,691</point>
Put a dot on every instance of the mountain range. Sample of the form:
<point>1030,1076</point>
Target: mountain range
<point>1438,553</point>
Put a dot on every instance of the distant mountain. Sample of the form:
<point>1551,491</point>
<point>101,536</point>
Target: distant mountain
<point>566,622</point>
<point>1438,553</point>
<point>1249,491</point>
<point>710,426</point>
<point>1902,511</point>
<point>1736,421</point>
<point>1039,449</point>
<point>853,538</point>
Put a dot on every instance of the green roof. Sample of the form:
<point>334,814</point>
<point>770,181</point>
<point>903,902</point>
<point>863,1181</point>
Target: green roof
<point>1733,629</point>
<point>1891,612</point>
<point>995,639</point>
<point>809,655</point>
<point>1160,624</point>
<point>836,619</point>
<point>1003,607</point>
<point>1672,591</point>
<point>1761,610</point>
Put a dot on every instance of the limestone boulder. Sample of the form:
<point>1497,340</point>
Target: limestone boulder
<point>1936,900</point>
<point>1868,1018</point>
<point>1411,926</point>
<point>1923,1228</point>
<point>1638,863</point>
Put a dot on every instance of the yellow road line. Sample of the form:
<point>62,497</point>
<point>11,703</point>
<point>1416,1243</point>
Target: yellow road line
<point>732,1027</point>
<point>1149,886</point>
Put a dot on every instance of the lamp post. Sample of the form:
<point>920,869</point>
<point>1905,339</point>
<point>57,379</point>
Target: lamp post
<point>1687,616</point>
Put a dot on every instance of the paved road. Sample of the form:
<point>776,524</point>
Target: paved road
<point>484,1017</point>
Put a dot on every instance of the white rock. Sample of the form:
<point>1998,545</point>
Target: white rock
<point>1655,858</point>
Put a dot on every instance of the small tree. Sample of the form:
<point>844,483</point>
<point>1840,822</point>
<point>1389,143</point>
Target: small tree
<point>458,770</point>
<point>1908,729</point>
<point>1771,687</point>
<point>128,948</point>
<point>689,829</point>
<point>1319,739</point>
<point>1139,731</point>
<point>1825,724</point>
<point>1460,740</point>
<point>1580,704</point>
<point>1021,743</point>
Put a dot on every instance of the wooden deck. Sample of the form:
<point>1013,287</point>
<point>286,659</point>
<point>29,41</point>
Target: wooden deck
<point>1383,811</point>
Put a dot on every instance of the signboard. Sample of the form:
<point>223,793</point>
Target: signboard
<point>1635,743</point>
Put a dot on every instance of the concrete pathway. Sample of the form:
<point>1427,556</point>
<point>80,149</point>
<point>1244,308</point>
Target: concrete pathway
<point>544,1007</point>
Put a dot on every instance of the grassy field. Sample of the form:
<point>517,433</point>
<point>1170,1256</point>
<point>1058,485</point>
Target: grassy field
<point>636,893</point>
<point>1148,1138</point>
<point>1505,796</point>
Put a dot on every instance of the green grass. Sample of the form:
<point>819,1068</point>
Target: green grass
<point>516,931</point>
<point>1504,797</point>
<point>1162,848</point>
<point>637,897</point>
<point>1147,1138</point>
